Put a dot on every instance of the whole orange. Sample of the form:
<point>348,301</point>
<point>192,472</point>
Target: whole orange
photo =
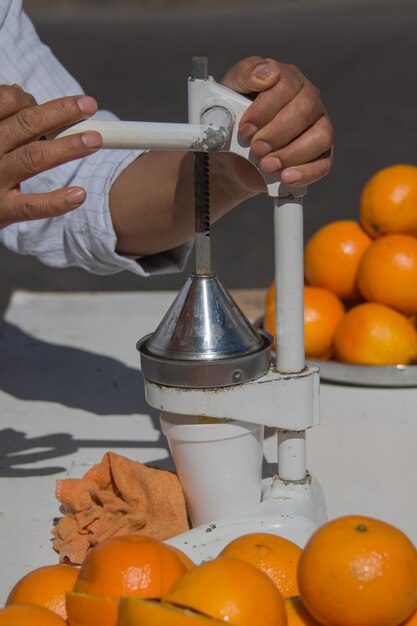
<point>374,334</point>
<point>45,586</point>
<point>332,255</point>
<point>29,615</point>
<point>297,614</point>
<point>359,571</point>
<point>137,612</point>
<point>126,565</point>
<point>388,202</point>
<point>269,317</point>
<point>184,557</point>
<point>387,272</point>
<point>323,311</point>
<point>276,556</point>
<point>411,621</point>
<point>270,297</point>
<point>231,590</point>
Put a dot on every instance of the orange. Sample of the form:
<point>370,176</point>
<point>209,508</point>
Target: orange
<point>411,621</point>
<point>388,203</point>
<point>269,317</point>
<point>136,612</point>
<point>358,570</point>
<point>374,334</point>
<point>388,272</point>
<point>332,255</point>
<point>323,311</point>
<point>29,615</point>
<point>45,586</point>
<point>276,556</point>
<point>84,609</point>
<point>126,565</point>
<point>297,614</point>
<point>231,590</point>
<point>130,565</point>
<point>270,297</point>
<point>184,557</point>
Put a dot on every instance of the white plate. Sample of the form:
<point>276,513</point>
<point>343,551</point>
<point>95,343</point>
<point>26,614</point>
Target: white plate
<point>367,375</point>
<point>363,375</point>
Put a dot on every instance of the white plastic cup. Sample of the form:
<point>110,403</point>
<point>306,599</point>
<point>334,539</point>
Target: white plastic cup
<point>219,465</point>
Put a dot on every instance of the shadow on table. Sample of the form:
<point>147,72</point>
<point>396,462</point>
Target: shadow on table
<point>17,449</point>
<point>35,370</point>
<point>38,371</point>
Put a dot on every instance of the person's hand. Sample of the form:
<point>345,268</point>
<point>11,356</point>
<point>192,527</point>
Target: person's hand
<point>287,125</point>
<point>23,154</point>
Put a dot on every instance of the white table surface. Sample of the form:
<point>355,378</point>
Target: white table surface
<point>71,389</point>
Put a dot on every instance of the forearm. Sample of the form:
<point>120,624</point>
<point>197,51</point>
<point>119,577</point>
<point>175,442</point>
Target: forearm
<point>152,201</point>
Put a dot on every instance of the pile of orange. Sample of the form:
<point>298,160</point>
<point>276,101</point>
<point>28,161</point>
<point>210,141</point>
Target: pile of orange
<point>361,278</point>
<point>354,571</point>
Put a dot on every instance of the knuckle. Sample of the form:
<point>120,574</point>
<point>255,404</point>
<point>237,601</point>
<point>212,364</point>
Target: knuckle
<point>305,109</point>
<point>323,138</point>
<point>26,121</point>
<point>38,206</point>
<point>66,108</point>
<point>292,73</point>
<point>32,157</point>
<point>325,167</point>
<point>16,98</point>
<point>293,69</point>
<point>322,167</point>
<point>10,96</point>
<point>286,87</point>
<point>312,94</point>
<point>326,132</point>
<point>29,209</point>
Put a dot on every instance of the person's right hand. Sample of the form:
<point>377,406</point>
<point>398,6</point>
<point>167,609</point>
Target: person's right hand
<point>23,123</point>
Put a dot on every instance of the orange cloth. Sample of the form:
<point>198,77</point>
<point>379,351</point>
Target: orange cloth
<point>117,497</point>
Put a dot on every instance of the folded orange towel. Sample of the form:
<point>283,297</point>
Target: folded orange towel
<point>117,497</point>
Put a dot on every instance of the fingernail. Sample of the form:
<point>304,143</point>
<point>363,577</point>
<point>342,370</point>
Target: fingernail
<point>271,164</point>
<point>264,70</point>
<point>248,130</point>
<point>291,176</point>
<point>18,86</point>
<point>92,140</point>
<point>261,148</point>
<point>87,105</point>
<point>76,196</point>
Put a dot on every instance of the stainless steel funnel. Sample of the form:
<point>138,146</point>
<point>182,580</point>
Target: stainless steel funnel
<point>204,340</point>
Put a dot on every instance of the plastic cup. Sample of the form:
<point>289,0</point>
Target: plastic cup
<point>219,464</point>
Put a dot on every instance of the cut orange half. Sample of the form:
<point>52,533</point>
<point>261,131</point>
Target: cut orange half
<point>88,610</point>
<point>137,612</point>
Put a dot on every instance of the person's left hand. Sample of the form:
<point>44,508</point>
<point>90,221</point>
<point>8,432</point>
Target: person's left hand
<point>287,125</point>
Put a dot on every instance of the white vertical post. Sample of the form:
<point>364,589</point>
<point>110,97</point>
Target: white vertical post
<point>292,455</point>
<point>289,321</point>
<point>289,284</point>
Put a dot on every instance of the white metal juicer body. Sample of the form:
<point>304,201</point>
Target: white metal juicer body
<point>285,398</point>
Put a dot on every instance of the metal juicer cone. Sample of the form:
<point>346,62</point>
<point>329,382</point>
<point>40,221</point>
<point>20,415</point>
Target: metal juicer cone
<point>204,340</point>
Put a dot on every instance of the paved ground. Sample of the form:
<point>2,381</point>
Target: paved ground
<point>362,55</point>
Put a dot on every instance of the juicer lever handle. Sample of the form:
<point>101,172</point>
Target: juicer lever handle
<point>214,113</point>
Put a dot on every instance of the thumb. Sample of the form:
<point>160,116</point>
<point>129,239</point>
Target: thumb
<point>252,75</point>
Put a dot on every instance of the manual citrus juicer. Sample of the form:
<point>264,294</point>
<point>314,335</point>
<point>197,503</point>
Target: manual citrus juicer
<point>213,375</point>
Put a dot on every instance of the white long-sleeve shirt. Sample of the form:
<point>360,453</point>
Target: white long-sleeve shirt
<point>84,237</point>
